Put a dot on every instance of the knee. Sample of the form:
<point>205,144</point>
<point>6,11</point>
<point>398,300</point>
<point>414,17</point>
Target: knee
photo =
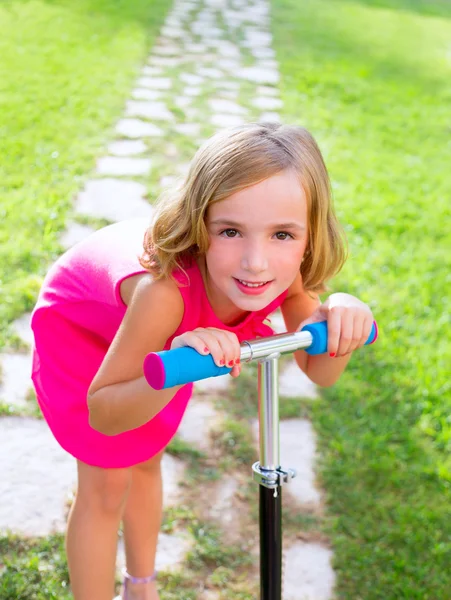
<point>151,466</point>
<point>107,491</point>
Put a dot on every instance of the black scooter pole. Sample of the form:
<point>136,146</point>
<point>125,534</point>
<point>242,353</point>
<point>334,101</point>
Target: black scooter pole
<point>270,476</point>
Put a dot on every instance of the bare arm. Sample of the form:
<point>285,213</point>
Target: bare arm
<point>119,398</point>
<point>297,307</point>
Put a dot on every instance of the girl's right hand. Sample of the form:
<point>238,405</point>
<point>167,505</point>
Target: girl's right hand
<point>221,344</point>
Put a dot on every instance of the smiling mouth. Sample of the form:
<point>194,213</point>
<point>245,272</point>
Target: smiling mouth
<point>251,284</point>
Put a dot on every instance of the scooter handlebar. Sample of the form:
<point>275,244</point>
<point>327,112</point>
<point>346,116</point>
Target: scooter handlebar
<point>169,368</point>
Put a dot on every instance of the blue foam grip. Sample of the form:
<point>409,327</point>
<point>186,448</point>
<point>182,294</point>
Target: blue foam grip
<point>319,335</point>
<point>179,366</point>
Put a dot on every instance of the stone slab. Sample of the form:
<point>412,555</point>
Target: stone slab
<point>308,573</point>
<point>199,419</point>
<point>21,327</point>
<point>135,128</point>
<point>36,478</point>
<point>293,383</point>
<point>149,110</point>
<point>127,147</point>
<point>114,200</point>
<point>297,451</point>
<point>123,165</point>
<point>75,232</point>
<point>16,382</point>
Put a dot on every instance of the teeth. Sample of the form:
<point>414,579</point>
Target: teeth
<point>246,283</point>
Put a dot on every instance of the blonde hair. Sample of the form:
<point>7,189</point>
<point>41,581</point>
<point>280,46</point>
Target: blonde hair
<point>231,161</point>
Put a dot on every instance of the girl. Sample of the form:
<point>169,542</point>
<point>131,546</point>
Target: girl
<point>251,229</point>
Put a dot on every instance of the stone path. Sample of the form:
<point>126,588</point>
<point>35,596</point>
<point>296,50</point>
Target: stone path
<point>212,66</point>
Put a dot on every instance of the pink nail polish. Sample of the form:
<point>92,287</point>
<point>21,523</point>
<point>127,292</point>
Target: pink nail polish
<point>237,361</point>
<point>222,361</point>
<point>332,354</point>
<point>231,363</point>
<point>206,349</point>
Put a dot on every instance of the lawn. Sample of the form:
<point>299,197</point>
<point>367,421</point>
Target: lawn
<point>65,72</point>
<point>371,80</point>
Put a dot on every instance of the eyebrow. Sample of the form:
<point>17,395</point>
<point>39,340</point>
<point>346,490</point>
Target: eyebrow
<point>236,225</point>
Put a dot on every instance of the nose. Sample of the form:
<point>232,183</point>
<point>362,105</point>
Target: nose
<point>254,258</point>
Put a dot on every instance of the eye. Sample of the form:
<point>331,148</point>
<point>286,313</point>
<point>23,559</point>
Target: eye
<point>283,235</point>
<point>230,233</point>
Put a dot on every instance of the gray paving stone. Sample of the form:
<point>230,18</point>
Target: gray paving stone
<point>227,84</point>
<point>195,48</point>
<point>297,451</point>
<point>268,64</point>
<point>21,327</point>
<point>189,129</point>
<point>113,199</point>
<point>36,478</point>
<point>258,75</point>
<point>168,181</point>
<point>151,71</point>
<point>172,31</point>
<point>213,384</point>
<point>191,79</point>
<point>257,38</point>
<point>227,49</point>
<point>308,573</point>
<point>149,110</point>
<point>265,90</point>
<point>167,50</point>
<point>221,507</point>
<point>172,472</point>
<point>183,101</point>
<point>262,52</point>
<point>15,381</point>
<point>199,419</point>
<point>270,116</point>
<point>229,64</point>
<point>165,61</point>
<point>135,128</point>
<point>221,105</point>
<point>223,120</point>
<point>145,94</point>
<point>267,103</point>
<point>171,551</point>
<point>210,72</point>
<point>127,147</point>
<point>192,91</point>
<point>229,94</point>
<point>293,383</point>
<point>155,83</point>
<point>120,165</point>
<point>75,232</point>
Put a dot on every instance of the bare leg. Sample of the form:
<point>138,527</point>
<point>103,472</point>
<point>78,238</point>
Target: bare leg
<point>142,521</point>
<point>91,542</point>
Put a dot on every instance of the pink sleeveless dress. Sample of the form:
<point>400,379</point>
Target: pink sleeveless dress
<point>76,317</point>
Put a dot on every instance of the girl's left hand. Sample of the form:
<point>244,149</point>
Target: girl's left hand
<point>349,323</point>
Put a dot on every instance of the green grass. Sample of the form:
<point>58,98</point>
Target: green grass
<point>371,80</point>
<point>65,73</point>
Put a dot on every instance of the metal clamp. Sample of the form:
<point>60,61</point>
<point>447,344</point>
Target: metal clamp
<point>272,479</point>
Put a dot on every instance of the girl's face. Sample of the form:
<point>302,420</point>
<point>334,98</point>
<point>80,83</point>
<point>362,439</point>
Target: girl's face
<point>257,240</point>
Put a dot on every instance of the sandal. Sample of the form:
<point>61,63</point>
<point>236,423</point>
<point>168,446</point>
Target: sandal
<point>128,577</point>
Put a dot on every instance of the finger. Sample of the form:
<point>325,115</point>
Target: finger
<point>333,331</point>
<point>235,371</point>
<point>346,333</point>
<point>211,343</point>
<point>357,333</point>
<point>230,345</point>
